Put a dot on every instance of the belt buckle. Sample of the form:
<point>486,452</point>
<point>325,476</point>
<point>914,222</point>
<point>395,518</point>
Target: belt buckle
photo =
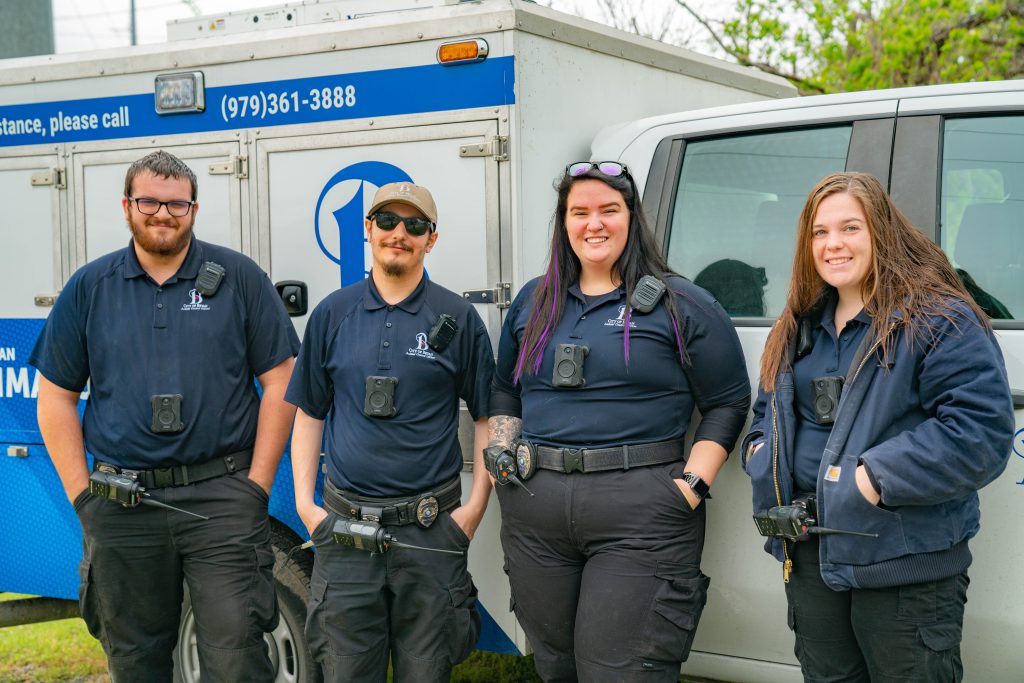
<point>371,514</point>
<point>163,477</point>
<point>572,460</point>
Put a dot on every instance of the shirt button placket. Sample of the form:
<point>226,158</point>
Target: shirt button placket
<point>384,360</point>
<point>159,309</point>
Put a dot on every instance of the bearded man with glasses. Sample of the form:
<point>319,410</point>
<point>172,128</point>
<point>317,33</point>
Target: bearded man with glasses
<point>383,366</point>
<point>170,333</point>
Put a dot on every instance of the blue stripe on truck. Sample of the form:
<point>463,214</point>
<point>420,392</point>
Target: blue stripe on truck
<point>387,92</point>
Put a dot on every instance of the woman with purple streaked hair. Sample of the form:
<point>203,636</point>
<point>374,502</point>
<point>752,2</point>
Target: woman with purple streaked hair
<point>601,362</point>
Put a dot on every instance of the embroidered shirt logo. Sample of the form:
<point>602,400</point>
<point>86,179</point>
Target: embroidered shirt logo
<point>422,349</point>
<point>620,321</point>
<point>195,302</point>
<point>832,473</point>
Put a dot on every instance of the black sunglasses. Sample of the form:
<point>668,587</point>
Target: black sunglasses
<point>612,169</point>
<point>417,227</point>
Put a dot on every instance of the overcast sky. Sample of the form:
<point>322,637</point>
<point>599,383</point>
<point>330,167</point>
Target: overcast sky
<point>91,24</point>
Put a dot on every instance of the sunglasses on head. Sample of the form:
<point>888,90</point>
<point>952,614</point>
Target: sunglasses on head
<point>612,169</point>
<point>417,227</point>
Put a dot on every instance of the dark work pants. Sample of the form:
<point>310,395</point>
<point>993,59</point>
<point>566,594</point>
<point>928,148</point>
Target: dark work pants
<point>414,606</point>
<point>904,634</point>
<point>131,580</point>
<point>605,572</point>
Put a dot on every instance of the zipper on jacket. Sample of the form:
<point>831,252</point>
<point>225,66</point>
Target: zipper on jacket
<point>787,564</point>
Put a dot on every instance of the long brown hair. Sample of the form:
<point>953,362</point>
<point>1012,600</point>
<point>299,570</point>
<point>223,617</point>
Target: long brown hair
<point>909,274</point>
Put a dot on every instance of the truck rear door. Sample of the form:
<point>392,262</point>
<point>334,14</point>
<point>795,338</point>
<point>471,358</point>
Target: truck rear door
<point>313,194</point>
<point>33,261</point>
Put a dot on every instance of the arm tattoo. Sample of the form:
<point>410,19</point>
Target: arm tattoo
<point>502,429</point>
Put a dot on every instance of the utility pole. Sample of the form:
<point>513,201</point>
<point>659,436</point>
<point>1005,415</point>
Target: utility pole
<point>132,13</point>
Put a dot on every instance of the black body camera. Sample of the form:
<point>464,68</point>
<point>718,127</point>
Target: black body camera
<point>647,294</point>
<point>568,371</point>
<point>210,276</point>
<point>166,414</point>
<point>442,333</point>
<point>825,395</point>
<point>380,396</point>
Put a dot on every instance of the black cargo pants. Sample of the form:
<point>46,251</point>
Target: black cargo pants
<point>414,606</point>
<point>132,569</point>
<point>605,572</point>
<point>903,634</point>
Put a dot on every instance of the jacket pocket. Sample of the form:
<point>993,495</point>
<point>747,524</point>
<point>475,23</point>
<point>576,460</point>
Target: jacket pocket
<point>762,478</point>
<point>846,508</point>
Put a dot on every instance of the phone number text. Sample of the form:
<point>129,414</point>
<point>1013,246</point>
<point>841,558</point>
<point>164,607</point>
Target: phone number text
<point>262,104</point>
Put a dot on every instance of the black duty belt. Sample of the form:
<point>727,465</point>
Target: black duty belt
<point>603,459</point>
<point>421,508</point>
<point>182,475</point>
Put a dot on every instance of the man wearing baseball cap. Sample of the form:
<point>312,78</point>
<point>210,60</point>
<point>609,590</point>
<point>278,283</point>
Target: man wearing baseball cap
<point>378,380</point>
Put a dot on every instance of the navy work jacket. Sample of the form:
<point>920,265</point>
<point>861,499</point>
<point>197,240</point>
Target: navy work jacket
<point>932,422</point>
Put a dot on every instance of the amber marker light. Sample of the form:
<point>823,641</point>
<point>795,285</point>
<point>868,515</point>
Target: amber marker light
<point>462,52</point>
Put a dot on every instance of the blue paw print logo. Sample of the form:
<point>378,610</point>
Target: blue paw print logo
<point>1018,447</point>
<point>343,242</point>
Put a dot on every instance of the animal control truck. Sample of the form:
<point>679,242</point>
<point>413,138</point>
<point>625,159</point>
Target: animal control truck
<point>291,117</point>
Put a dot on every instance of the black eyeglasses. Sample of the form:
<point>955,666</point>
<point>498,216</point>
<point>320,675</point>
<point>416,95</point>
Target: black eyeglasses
<point>415,226</point>
<point>151,207</point>
<point>612,169</point>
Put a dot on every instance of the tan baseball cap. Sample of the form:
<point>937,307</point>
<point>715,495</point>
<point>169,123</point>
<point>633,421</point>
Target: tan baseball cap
<point>405,193</point>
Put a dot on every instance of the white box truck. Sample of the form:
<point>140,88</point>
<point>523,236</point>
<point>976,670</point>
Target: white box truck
<point>290,129</point>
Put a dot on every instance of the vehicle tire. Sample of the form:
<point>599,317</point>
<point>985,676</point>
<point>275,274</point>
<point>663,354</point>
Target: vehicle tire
<point>288,652</point>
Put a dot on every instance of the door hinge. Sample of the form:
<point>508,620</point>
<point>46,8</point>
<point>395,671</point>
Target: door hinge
<point>500,296</point>
<point>237,166</point>
<point>53,176</point>
<point>45,300</point>
<point>496,147</point>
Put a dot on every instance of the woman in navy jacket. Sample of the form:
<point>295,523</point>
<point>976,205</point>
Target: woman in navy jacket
<point>604,557</point>
<point>922,420</point>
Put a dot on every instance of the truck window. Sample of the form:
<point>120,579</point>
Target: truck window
<point>982,209</point>
<point>734,219</point>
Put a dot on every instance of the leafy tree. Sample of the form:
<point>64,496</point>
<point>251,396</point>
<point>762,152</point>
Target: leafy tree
<point>840,45</point>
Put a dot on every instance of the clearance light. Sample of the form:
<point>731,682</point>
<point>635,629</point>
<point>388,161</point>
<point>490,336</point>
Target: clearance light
<point>180,93</point>
<point>462,52</point>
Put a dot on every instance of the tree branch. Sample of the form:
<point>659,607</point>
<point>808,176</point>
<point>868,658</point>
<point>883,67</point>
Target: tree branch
<point>805,85</point>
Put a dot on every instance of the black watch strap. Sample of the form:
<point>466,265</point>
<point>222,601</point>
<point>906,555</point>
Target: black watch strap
<point>699,486</point>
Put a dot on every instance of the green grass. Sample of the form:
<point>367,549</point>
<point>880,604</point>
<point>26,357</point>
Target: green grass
<point>50,651</point>
<point>64,651</point>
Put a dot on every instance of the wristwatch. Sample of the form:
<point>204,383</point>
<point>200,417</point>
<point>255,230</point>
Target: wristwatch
<point>698,485</point>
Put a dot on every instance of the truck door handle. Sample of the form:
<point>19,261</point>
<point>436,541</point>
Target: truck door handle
<point>295,296</point>
<point>1018,398</point>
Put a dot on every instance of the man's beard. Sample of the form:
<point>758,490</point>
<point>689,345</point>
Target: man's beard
<point>158,247</point>
<point>394,269</point>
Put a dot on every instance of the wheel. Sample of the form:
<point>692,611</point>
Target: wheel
<point>287,643</point>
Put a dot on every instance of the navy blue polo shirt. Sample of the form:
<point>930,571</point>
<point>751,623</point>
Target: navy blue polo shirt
<point>647,401</point>
<point>829,357</point>
<point>353,334</point>
<point>132,339</point>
